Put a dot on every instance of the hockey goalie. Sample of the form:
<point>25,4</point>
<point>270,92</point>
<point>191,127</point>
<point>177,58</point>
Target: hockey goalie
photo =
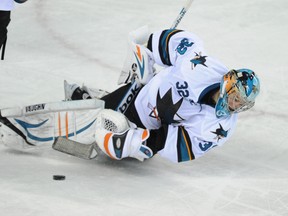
<point>180,112</point>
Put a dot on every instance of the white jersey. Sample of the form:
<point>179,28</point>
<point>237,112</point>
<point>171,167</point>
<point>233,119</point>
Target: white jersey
<point>6,5</point>
<point>173,97</point>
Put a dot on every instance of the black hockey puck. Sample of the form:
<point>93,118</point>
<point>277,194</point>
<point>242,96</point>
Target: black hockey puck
<point>20,1</point>
<point>59,177</point>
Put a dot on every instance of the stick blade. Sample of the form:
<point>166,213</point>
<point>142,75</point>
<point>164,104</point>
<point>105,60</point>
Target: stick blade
<point>77,149</point>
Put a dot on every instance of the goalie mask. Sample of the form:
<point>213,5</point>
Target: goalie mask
<point>238,90</point>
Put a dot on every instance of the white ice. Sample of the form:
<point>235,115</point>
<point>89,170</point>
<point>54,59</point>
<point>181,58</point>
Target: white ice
<point>85,42</point>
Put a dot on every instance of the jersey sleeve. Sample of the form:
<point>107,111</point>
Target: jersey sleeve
<point>185,143</point>
<point>168,45</point>
<point>181,145</point>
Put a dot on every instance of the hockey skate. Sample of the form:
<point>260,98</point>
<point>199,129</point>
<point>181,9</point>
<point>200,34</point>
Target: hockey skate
<point>74,92</point>
<point>69,89</point>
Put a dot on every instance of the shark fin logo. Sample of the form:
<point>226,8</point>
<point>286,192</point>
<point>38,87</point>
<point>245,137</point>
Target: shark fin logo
<point>220,133</point>
<point>165,109</point>
<point>198,60</point>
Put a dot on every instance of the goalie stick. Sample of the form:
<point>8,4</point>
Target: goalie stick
<point>181,14</point>
<point>84,151</point>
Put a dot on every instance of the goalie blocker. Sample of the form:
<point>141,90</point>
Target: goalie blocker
<point>118,138</point>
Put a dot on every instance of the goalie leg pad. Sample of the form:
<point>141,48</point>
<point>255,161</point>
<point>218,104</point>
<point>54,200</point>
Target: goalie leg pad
<point>41,129</point>
<point>9,138</point>
<point>139,60</point>
<point>138,64</point>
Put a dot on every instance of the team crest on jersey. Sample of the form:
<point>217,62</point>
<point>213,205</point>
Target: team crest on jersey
<point>165,109</point>
<point>198,60</point>
<point>220,133</point>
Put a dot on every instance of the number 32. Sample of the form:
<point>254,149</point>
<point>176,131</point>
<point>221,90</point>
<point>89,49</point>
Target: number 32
<point>182,89</point>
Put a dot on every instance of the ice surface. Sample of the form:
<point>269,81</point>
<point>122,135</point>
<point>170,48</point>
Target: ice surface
<point>85,41</point>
